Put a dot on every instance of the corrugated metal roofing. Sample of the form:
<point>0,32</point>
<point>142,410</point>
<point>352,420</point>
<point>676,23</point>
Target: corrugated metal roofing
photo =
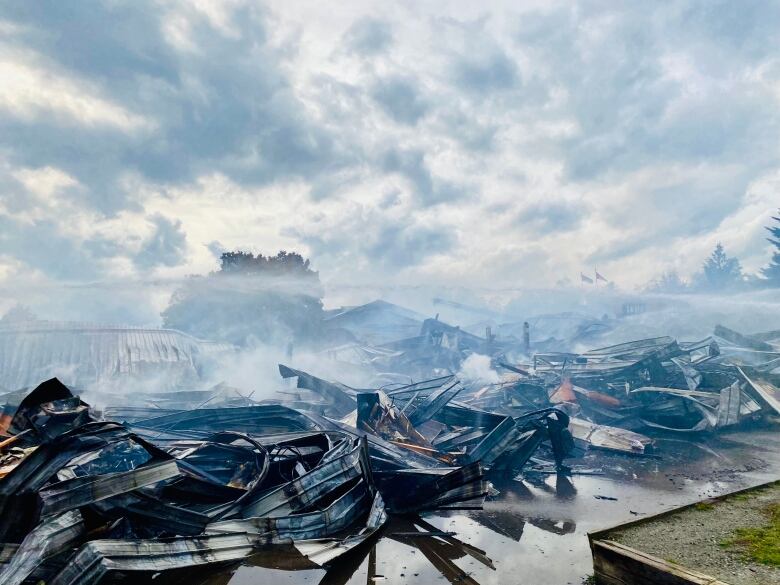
<point>84,353</point>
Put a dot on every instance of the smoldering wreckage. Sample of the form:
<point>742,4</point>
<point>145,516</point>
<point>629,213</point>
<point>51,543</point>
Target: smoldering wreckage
<point>178,481</point>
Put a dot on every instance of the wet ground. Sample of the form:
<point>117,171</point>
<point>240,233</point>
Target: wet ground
<point>534,532</point>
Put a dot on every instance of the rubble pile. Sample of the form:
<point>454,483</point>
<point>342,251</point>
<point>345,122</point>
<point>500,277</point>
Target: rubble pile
<point>425,419</point>
<point>84,498</point>
<point>202,478</point>
<point>608,395</point>
<point>655,383</point>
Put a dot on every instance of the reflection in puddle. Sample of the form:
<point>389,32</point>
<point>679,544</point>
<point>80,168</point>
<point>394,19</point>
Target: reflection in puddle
<point>366,564</point>
<point>533,532</point>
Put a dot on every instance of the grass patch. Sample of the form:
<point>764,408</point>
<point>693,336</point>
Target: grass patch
<point>744,497</point>
<point>704,506</point>
<point>761,544</point>
<point>589,580</point>
<point>753,493</point>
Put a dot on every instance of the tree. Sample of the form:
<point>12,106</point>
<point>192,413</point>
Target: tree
<point>720,272</point>
<point>250,300</point>
<point>668,282</point>
<point>772,272</point>
<point>283,264</point>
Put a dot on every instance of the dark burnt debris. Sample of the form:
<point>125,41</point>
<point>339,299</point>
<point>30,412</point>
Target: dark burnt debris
<point>189,479</point>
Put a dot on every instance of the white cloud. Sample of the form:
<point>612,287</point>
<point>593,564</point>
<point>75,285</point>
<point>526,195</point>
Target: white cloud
<point>44,182</point>
<point>29,91</point>
<point>487,143</point>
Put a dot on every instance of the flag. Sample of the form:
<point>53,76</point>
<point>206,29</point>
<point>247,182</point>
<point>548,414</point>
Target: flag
<point>599,277</point>
<point>584,278</point>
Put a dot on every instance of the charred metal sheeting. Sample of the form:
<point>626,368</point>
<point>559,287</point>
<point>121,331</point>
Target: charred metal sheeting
<point>412,490</point>
<point>741,340</point>
<point>98,558</point>
<point>421,418</point>
<point>707,410</point>
<point>507,442</point>
<point>376,415</point>
<point>422,401</point>
<point>72,494</point>
<point>767,392</point>
<point>496,441</point>
<point>20,489</point>
<point>463,485</point>
<point>87,499</point>
<point>760,352</point>
<point>705,385</point>
<point>610,438</point>
<point>50,409</point>
<point>342,513</point>
<point>254,420</point>
<point>50,537</point>
<point>323,551</point>
<point>341,397</point>
<point>519,395</point>
<point>303,491</point>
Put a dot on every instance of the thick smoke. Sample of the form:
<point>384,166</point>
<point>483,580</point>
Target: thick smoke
<point>476,368</point>
<point>555,317</point>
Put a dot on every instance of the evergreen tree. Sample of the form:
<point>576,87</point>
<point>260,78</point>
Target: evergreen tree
<point>720,272</point>
<point>772,272</point>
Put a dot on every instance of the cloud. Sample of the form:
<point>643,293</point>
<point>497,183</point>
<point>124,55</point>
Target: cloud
<point>385,140</point>
<point>166,246</point>
<point>372,240</point>
<point>104,70</point>
<point>368,36</point>
<point>650,84</point>
<point>400,99</point>
<point>551,216</point>
<point>411,165</point>
<point>43,246</point>
<point>485,72</point>
<point>29,92</point>
<point>399,245</point>
<point>471,133</point>
<point>216,249</point>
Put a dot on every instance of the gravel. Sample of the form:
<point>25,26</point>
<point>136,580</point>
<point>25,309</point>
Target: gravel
<point>693,537</point>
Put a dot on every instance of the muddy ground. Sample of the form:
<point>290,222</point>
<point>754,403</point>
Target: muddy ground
<point>534,532</point>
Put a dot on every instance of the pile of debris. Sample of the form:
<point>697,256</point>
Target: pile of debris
<point>200,478</point>
<point>82,498</point>
<point>424,419</point>
<point>609,394</point>
<point>657,383</point>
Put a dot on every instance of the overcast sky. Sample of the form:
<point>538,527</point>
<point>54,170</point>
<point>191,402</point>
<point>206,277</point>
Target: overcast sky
<point>500,143</point>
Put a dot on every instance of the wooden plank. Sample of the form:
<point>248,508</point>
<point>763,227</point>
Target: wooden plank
<point>617,564</point>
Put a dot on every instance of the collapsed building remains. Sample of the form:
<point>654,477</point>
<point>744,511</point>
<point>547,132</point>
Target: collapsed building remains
<point>188,478</point>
